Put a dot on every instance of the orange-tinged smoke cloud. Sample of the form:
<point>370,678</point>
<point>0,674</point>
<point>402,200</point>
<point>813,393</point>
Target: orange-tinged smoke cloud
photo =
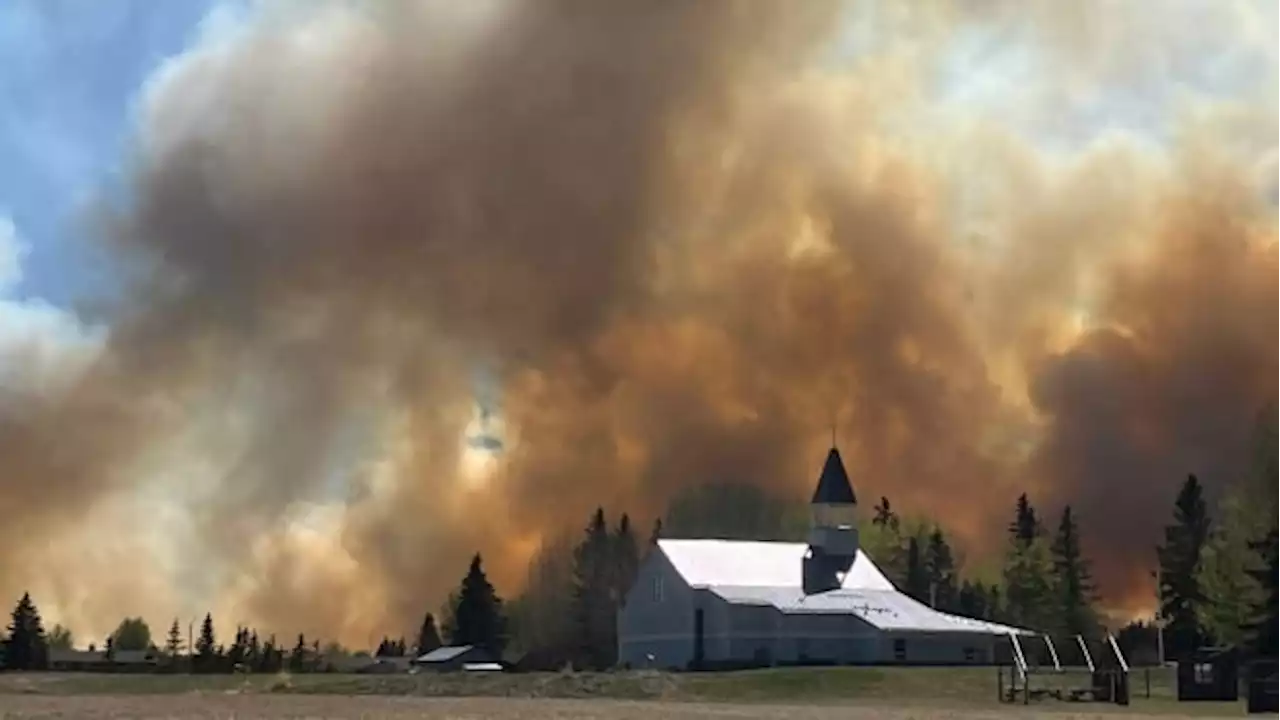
<point>685,236</point>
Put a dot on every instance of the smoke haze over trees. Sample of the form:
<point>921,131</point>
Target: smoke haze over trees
<point>681,238</point>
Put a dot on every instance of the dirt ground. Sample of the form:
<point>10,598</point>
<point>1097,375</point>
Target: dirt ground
<point>193,706</point>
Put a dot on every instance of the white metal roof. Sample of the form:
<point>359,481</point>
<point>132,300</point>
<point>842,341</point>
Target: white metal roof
<point>707,563</point>
<point>769,574</point>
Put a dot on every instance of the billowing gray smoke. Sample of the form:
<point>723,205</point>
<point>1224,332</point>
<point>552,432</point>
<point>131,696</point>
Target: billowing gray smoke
<point>685,236</point>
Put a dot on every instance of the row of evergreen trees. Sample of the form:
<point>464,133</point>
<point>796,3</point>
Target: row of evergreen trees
<point>475,617</point>
<point>1044,583</point>
<point>1217,581</point>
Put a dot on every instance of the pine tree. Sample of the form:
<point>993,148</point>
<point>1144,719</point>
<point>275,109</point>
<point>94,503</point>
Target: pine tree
<point>1180,593</point>
<point>1263,626</point>
<point>477,617</point>
<point>1027,572</point>
<point>940,568</point>
<point>298,658</point>
<point>26,647</point>
<point>428,636</point>
<point>1025,526</point>
<point>235,653</point>
<point>1028,585</point>
<point>972,600</point>
<point>1225,574</point>
<point>269,661</point>
<point>995,603</point>
<point>206,646</point>
<point>917,583</point>
<point>656,533</point>
<point>1072,580</point>
<point>253,655</point>
<point>885,516</point>
<point>173,643</point>
<point>626,560</point>
<point>592,609</point>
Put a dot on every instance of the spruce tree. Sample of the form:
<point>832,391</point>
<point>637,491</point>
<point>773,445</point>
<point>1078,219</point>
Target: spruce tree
<point>1025,526</point>
<point>235,653</point>
<point>971,601</point>
<point>1263,627</point>
<point>1180,593</point>
<point>941,569</point>
<point>253,654</point>
<point>1073,581</point>
<point>173,643</point>
<point>1027,572</point>
<point>267,662</point>
<point>298,658</point>
<point>206,646</point>
<point>1225,574</point>
<point>26,647</point>
<point>917,582</point>
<point>592,608</point>
<point>428,636</point>
<point>656,533</point>
<point>626,560</point>
<point>477,614</point>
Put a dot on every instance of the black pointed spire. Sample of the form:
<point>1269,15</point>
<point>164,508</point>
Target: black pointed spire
<point>833,484</point>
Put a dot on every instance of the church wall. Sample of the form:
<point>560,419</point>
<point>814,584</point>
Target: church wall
<point>657,619</point>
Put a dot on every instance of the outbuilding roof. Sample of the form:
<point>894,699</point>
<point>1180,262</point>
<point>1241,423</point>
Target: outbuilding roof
<point>769,574</point>
<point>443,654</point>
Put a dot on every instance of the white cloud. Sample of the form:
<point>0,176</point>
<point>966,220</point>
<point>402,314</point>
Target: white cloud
<point>42,347</point>
<point>12,250</point>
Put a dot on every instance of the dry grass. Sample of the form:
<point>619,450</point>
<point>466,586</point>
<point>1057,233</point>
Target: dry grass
<point>200,706</point>
<point>793,694</point>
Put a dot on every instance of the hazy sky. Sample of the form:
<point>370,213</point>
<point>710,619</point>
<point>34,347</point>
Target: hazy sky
<point>1000,99</point>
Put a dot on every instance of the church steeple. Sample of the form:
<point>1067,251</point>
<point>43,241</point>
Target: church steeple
<point>833,483</point>
<point>833,535</point>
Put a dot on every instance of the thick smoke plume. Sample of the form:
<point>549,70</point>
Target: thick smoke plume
<point>680,240</point>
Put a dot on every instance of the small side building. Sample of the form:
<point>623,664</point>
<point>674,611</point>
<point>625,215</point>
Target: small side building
<point>1210,673</point>
<point>452,658</point>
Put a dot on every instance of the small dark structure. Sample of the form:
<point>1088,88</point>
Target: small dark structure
<point>97,661</point>
<point>454,657</point>
<point>383,665</point>
<point>1209,674</point>
<point>1262,694</point>
<point>1111,686</point>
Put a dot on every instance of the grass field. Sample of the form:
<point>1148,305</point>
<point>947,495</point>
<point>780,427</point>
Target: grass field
<point>793,693</point>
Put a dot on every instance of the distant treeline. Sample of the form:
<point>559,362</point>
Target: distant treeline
<point>1218,583</point>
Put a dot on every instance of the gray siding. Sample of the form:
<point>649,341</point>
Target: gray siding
<point>661,625</point>
<point>937,648</point>
<point>657,625</point>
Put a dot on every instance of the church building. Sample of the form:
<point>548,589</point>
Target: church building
<point>731,603</point>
